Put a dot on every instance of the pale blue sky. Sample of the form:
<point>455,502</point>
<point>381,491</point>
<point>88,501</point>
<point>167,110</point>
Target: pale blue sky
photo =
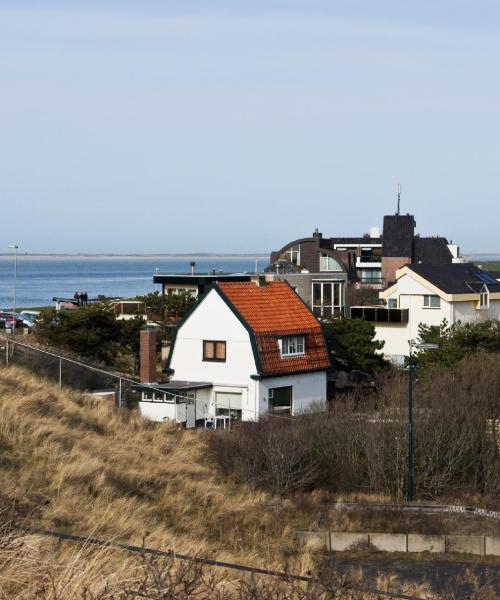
<point>177,126</point>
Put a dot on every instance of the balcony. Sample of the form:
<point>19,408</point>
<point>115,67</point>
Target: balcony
<point>380,314</point>
<point>369,262</point>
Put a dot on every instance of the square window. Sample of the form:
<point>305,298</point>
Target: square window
<point>432,302</point>
<point>293,345</point>
<point>214,350</point>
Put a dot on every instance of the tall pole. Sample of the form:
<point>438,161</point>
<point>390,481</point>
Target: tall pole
<point>409,494</point>
<point>15,247</point>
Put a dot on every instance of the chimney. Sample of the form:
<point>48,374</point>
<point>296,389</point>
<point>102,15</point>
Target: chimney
<point>192,265</point>
<point>317,234</point>
<point>148,356</point>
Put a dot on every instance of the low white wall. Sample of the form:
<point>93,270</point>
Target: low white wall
<point>339,541</point>
<point>157,411</point>
<point>395,338</point>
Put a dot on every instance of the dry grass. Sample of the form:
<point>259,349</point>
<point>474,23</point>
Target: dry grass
<point>72,464</point>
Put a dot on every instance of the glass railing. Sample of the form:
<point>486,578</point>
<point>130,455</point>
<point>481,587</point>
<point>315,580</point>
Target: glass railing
<point>369,259</point>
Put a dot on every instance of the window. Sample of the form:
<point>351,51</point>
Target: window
<point>371,276</point>
<point>327,298</point>
<point>214,350</point>
<point>432,302</point>
<point>228,404</point>
<point>293,254</point>
<point>293,345</point>
<point>392,303</point>
<point>280,400</point>
<point>484,298</point>
<point>328,263</point>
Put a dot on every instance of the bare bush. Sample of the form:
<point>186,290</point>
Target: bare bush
<point>360,444</point>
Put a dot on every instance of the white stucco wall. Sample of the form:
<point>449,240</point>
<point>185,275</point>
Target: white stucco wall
<point>214,320</point>
<point>158,411</point>
<point>308,389</point>
<point>410,294</point>
<point>395,338</point>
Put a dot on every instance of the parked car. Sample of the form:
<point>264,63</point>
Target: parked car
<point>29,316</point>
<point>12,322</point>
<point>7,320</point>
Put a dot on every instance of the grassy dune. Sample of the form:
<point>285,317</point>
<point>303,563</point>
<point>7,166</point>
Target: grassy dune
<point>73,464</point>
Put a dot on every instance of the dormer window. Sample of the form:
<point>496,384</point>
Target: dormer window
<point>484,298</point>
<point>293,345</point>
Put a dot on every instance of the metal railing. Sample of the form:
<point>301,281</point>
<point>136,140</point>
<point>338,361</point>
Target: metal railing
<point>67,370</point>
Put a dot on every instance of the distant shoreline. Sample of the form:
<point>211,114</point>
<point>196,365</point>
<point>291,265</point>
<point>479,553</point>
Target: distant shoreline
<point>134,256</point>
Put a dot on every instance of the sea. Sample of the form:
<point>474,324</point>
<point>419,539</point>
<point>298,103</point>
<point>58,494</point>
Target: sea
<point>40,279</point>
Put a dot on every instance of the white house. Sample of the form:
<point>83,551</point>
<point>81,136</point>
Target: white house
<point>428,294</point>
<point>243,350</point>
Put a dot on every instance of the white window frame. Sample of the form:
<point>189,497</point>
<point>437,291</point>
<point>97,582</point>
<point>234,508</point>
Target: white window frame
<point>293,251</point>
<point>428,298</point>
<point>323,309</point>
<point>484,299</point>
<point>331,263</point>
<point>293,345</point>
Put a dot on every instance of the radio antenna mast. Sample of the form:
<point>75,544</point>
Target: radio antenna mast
<point>399,197</point>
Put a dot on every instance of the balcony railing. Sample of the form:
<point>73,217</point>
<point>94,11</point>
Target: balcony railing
<point>380,314</point>
<point>372,258</point>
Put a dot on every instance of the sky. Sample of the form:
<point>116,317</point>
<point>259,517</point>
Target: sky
<point>238,126</point>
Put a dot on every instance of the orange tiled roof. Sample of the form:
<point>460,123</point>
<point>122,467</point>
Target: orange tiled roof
<point>273,311</point>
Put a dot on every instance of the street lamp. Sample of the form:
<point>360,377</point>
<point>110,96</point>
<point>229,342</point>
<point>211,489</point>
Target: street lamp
<point>412,344</point>
<point>15,247</point>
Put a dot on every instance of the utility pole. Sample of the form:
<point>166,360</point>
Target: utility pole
<point>15,247</point>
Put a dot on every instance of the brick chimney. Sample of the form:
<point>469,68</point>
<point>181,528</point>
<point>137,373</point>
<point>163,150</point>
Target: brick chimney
<point>147,361</point>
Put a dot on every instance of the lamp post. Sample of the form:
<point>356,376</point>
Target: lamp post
<point>15,247</point>
<point>412,344</point>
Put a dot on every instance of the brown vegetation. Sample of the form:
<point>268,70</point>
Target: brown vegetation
<point>360,445</point>
<point>71,463</point>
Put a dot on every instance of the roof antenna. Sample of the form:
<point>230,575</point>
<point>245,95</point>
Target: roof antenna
<point>399,197</point>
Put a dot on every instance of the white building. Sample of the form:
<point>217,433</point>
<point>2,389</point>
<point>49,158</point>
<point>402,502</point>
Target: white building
<point>428,294</point>
<point>244,350</point>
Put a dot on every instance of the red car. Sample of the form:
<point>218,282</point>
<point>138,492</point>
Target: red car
<point>11,322</point>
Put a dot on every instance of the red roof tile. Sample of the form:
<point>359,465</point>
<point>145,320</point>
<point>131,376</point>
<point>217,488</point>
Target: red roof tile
<point>273,311</point>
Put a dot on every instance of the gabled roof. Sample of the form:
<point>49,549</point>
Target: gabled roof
<point>270,312</point>
<point>455,278</point>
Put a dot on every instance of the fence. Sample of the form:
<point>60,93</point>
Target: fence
<point>69,371</point>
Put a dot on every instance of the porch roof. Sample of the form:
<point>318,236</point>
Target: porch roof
<point>173,386</point>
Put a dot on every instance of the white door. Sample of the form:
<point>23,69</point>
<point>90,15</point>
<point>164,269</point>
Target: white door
<point>190,412</point>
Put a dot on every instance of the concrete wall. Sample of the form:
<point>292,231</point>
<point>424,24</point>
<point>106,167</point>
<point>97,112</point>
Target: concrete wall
<point>388,542</point>
<point>339,541</point>
<point>426,543</point>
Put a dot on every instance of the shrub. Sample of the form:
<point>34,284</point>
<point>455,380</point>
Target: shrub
<point>361,445</point>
